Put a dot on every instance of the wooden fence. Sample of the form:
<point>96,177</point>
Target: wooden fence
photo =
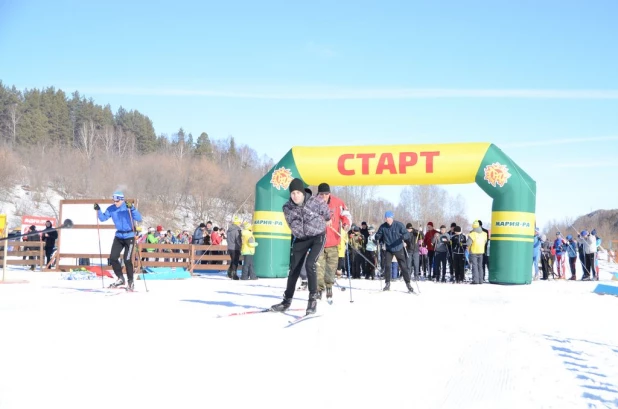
<point>25,250</point>
<point>188,256</point>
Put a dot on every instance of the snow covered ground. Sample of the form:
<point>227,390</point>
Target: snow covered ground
<point>69,344</point>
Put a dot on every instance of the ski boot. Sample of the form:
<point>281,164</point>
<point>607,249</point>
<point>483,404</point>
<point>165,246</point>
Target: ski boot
<point>130,286</point>
<point>311,304</point>
<point>387,287</point>
<point>118,283</point>
<point>282,306</point>
<point>303,286</point>
<point>410,289</point>
<point>329,295</point>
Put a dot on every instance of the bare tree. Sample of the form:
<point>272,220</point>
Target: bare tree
<point>87,139</point>
<point>14,117</point>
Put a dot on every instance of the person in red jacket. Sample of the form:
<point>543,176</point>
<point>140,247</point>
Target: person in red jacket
<point>428,242</point>
<point>327,263</point>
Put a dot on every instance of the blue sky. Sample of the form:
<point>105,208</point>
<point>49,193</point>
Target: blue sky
<point>537,78</point>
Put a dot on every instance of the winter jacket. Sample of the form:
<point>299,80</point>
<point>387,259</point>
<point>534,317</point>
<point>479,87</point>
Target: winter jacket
<point>122,219</point>
<point>198,236</point>
<point>476,241</point>
<point>357,241</point>
<point>336,207</point>
<point>342,244</point>
<point>215,238</point>
<point>459,243</point>
<point>307,219</point>
<point>392,235</point>
<point>50,240</point>
<point>248,243</point>
<point>411,245</point>
<point>441,243</point>
<point>536,247</point>
<point>590,244</point>
<point>371,243</point>
<point>571,248</point>
<point>234,241</point>
<point>559,246</point>
<point>428,239</point>
<point>151,239</point>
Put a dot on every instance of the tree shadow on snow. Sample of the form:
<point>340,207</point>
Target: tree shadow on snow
<point>606,393</point>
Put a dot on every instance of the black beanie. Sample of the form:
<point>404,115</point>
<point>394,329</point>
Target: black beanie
<point>297,184</point>
<point>323,188</point>
<point>409,226</point>
<point>453,224</point>
<point>309,192</point>
<point>457,229</point>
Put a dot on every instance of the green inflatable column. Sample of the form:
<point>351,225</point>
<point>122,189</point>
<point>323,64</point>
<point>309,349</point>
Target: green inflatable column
<point>272,255</point>
<point>513,217</point>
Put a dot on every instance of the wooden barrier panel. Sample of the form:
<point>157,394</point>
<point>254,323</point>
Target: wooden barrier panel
<point>188,256</point>
<point>26,250</point>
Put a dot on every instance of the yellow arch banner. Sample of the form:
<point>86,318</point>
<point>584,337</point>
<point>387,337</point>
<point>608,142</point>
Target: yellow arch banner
<point>390,165</point>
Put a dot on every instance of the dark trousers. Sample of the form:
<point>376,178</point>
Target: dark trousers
<point>459,261</point>
<point>572,264</point>
<point>589,265</point>
<point>369,269</point>
<point>401,260</point>
<point>485,264</point>
<point>234,263</point>
<point>413,264</point>
<point>300,256</point>
<point>49,252</point>
<point>545,265</point>
<point>117,246</point>
<point>357,265</point>
<point>440,265</point>
<point>430,256</point>
<point>247,268</point>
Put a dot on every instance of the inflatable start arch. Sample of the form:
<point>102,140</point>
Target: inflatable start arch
<point>512,190</point>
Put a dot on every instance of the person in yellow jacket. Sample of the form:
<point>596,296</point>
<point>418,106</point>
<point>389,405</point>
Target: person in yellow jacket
<point>476,245</point>
<point>247,250</point>
<point>343,244</point>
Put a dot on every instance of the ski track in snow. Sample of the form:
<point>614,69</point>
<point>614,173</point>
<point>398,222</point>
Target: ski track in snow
<point>547,345</point>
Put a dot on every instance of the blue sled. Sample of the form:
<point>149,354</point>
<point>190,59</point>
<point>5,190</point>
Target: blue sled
<point>165,273</point>
<point>606,289</point>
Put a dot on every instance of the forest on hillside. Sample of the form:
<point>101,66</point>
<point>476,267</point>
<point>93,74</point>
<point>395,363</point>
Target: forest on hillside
<point>68,143</point>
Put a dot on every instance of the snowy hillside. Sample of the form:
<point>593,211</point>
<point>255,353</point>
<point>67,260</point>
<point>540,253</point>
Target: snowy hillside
<point>71,344</point>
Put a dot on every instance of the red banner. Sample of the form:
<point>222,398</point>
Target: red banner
<point>37,221</point>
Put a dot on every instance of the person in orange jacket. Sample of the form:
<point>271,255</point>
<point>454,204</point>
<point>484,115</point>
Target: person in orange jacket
<point>329,258</point>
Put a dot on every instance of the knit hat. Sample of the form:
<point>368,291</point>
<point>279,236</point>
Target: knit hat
<point>430,224</point>
<point>246,225</point>
<point>159,228</point>
<point>236,220</point>
<point>202,225</point>
<point>569,237</point>
<point>409,226</point>
<point>33,227</point>
<point>296,184</point>
<point>457,229</point>
<point>475,224</point>
<point>371,228</point>
<point>453,224</point>
<point>594,232</point>
<point>118,195</point>
<point>323,188</point>
<point>309,192</point>
<point>584,232</point>
<point>389,214</point>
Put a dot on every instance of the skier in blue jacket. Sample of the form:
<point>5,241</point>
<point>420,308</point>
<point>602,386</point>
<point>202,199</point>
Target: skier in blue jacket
<point>123,214</point>
<point>536,253</point>
<point>393,233</point>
